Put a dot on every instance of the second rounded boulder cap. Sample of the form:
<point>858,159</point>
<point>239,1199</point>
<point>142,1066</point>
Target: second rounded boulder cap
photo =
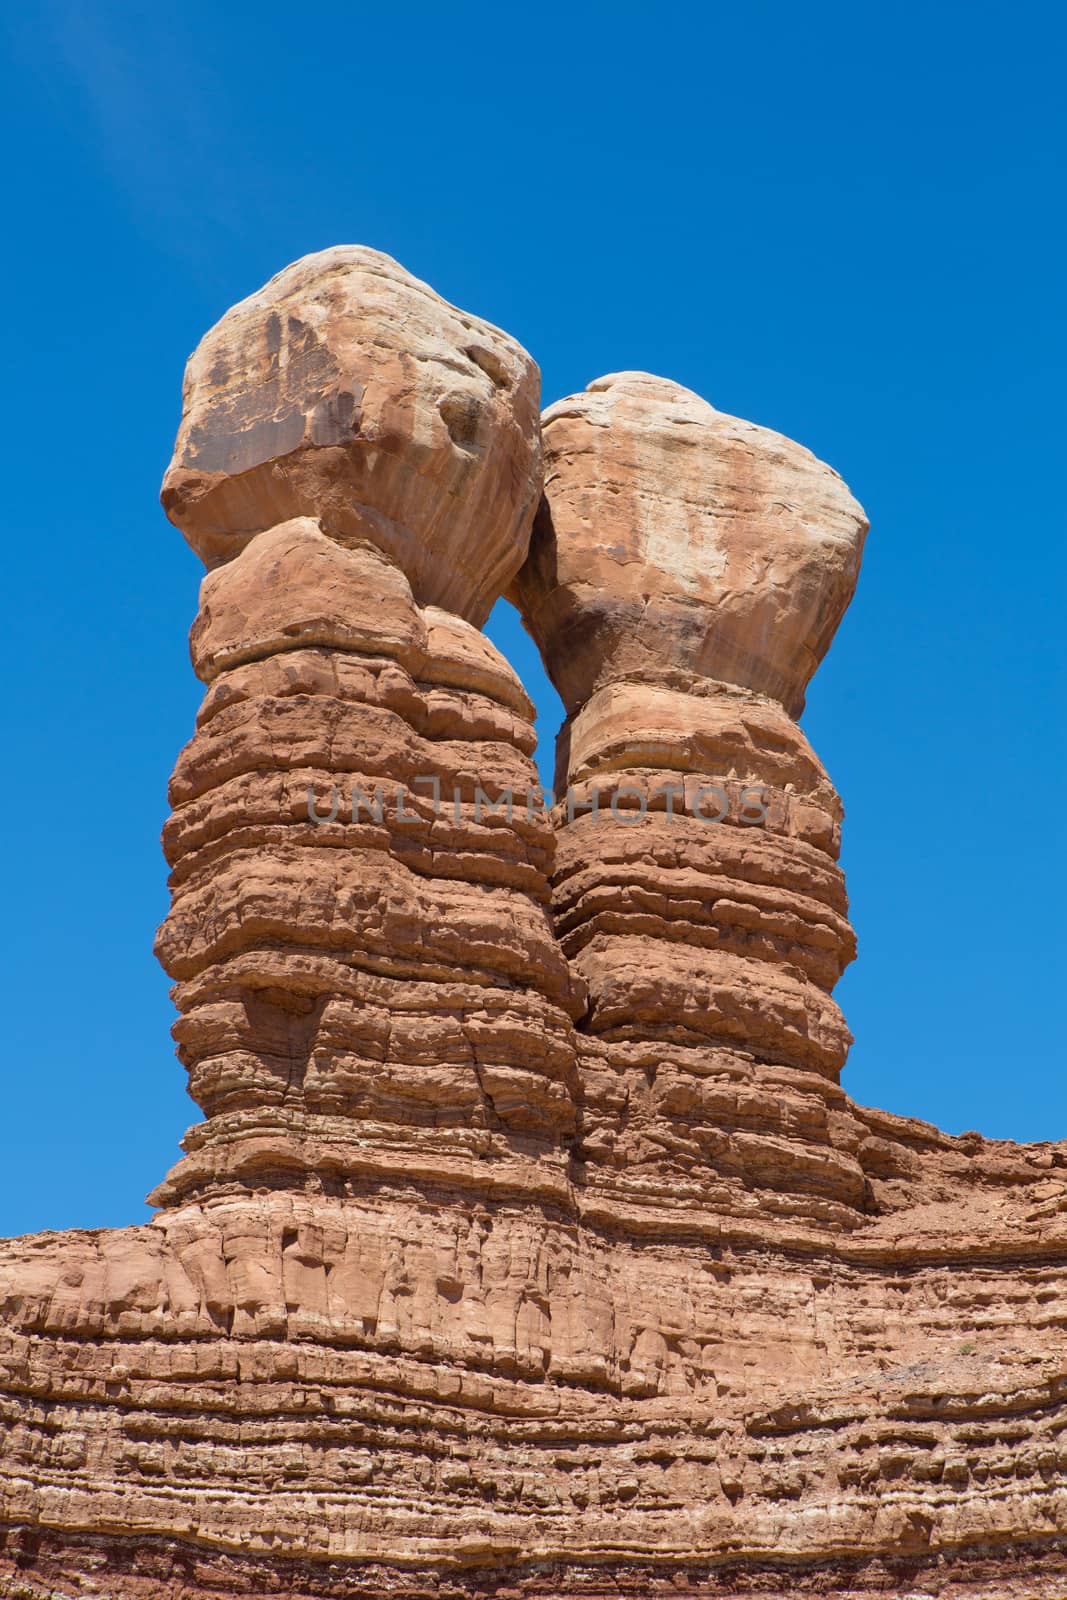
<point>675,541</point>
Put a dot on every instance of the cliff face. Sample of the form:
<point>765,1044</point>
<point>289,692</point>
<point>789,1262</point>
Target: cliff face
<point>529,1244</point>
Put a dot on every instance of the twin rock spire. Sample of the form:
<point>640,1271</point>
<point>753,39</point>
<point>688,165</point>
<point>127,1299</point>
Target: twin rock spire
<point>360,465</point>
<point>529,1243</point>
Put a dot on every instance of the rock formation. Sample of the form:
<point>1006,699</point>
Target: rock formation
<point>685,567</point>
<point>529,1244</point>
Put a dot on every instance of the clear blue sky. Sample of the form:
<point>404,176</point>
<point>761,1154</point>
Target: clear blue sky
<point>844,221</point>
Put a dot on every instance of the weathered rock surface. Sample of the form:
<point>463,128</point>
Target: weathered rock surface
<point>347,390</point>
<point>686,573</point>
<point>361,967</point>
<point>529,1245</point>
<point>677,540</point>
<point>385,1393</point>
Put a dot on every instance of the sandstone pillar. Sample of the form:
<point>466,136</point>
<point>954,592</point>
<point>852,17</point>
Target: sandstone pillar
<point>529,1246</point>
<point>365,969</point>
<point>686,575</point>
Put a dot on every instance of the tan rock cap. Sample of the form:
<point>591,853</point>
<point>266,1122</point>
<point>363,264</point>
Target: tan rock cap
<point>673,538</point>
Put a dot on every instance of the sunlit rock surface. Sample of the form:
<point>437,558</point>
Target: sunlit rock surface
<point>529,1245</point>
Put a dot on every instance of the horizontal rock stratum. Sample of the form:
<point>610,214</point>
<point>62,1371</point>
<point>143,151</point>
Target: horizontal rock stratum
<point>529,1245</point>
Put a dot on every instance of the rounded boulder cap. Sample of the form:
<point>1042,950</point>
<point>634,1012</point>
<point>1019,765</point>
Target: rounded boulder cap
<point>349,391</point>
<point>675,540</point>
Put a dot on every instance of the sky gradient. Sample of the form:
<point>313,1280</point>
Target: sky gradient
<point>843,222</point>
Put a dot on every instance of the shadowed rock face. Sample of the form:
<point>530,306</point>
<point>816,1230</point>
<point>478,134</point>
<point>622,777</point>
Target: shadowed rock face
<point>529,1243</point>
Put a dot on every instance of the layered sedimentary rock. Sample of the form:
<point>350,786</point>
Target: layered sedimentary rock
<point>686,574</point>
<point>529,1244</point>
<point>365,967</point>
<point>363,957</point>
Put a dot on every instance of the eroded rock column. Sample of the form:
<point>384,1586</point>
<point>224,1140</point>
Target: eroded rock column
<point>363,1348</point>
<point>686,575</point>
<point>366,972</point>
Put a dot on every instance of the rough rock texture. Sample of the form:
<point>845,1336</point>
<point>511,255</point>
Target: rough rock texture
<point>349,391</point>
<point>529,1245</point>
<point>680,542</point>
<point>363,977</point>
<point>684,563</point>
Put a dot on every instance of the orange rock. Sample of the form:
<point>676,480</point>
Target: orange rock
<point>348,391</point>
<point>529,1244</point>
<point>676,539</point>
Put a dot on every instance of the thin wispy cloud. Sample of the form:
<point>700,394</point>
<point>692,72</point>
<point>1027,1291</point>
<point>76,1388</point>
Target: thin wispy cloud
<point>158,116</point>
